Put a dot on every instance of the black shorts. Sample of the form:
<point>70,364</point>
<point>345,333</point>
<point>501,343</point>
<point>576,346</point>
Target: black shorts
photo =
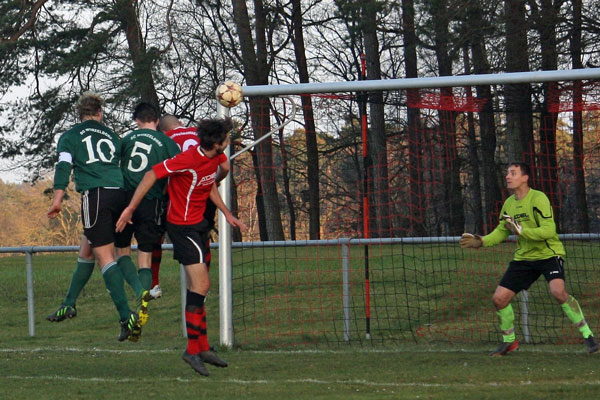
<point>100,210</point>
<point>520,275</point>
<point>209,215</point>
<point>190,243</point>
<point>147,225</point>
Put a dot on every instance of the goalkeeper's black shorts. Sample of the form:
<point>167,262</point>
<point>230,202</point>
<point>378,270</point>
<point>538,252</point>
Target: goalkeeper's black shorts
<point>520,275</point>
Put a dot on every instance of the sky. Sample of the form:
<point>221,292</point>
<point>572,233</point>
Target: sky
<point>9,169</point>
<point>9,173</point>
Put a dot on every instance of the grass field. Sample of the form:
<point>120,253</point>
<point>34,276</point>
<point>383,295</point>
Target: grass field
<point>81,358</point>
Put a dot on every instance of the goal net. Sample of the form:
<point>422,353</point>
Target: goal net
<point>355,208</point>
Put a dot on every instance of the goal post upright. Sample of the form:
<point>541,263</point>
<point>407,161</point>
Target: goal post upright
<point>225,260</point>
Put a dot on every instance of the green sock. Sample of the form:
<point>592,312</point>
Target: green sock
<point>145,275</point>
<point>129,271</point>
<point>81,276</point>
<point>507,318</point>
<point>573,311</point>
<point>113,278</point>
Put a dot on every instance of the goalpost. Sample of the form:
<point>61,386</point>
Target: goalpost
<point>414,280</point>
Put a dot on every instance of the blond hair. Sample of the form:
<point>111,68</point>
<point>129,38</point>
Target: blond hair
<point>89,104</point>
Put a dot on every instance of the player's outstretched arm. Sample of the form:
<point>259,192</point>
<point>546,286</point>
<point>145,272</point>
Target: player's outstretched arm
<point>470,241</point>
<point>143,188</point>
<point>56,206</point>
<point>233,221</point>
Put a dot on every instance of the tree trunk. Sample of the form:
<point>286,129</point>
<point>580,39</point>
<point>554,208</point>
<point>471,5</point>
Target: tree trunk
<point>519,125</point>
<point>143,81</point>
<point>312,155</point>
<point>581,218</point>
<point>487,125</point>
<point>547,157</point>
<point>286,186</point>
<point>475,182</point>
<point>260,204</point>
<point>417,204</point>
<point>451,209</point>
<point>256,73</point>
<point>377,143</point>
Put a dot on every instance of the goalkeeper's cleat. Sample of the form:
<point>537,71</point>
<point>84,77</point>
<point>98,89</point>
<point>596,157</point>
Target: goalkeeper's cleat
<point>63,312</point>
<point>195,362</point>
<point>136,332</point>
<point>592,344</point>
<point>211,358</point>
<point>142,306</point>
<point>505,348</point>
<point>128,326</point>
<point>156,292</point>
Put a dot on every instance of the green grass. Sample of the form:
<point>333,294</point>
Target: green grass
<point>81,358</point>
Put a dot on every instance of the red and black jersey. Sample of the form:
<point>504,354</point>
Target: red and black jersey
<point>191,177</point>
<point>185,137</point>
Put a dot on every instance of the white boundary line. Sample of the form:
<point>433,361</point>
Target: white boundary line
<point>482,350</point>
<point>302,381</point>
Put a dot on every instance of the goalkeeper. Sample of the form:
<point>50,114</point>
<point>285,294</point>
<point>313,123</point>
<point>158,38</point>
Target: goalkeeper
<point>527,213</point>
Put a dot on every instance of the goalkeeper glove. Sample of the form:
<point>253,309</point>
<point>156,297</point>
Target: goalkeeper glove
<point>470,241</point>
<point>511,224</point>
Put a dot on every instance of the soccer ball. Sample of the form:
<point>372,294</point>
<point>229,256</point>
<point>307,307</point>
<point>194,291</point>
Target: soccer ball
<point>229,94</point>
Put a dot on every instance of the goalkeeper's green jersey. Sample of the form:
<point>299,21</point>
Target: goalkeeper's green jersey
<point>538,240</point>
<point>93,152</point>
<point>141,149</point>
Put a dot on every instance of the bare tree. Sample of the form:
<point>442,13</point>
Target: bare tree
<point>256,68</point>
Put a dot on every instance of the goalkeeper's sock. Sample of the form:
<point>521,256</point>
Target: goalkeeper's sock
<point>156,259</point>
<point>573,311</point>
<point>130,274</point>
<point>193,321</point>
<point>507,319</point>
<point>145,275</point>
<point>81,276</point>
<point>113,279</point>
<point>203,338</point>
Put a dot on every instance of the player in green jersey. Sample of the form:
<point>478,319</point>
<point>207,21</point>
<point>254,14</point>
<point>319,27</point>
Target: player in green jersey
<point>141,149</point>
<point>93,152</point>
<point>527,213</point>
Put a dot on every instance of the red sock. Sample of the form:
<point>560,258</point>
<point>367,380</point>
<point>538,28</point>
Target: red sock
<point>193,322</point>
<point>156,258</point>
<point>203,338</point>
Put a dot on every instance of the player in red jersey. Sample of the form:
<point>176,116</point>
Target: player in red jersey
<point>185,137</point>
<point>192,175</point>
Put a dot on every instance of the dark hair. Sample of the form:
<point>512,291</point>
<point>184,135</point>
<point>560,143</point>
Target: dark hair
<point>89,104</point>
<point>145,112</point>
<point>213,131</point>
<point>525,168</point>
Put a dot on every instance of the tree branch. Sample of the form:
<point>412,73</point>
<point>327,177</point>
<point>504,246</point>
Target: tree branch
<point>28,25</point>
